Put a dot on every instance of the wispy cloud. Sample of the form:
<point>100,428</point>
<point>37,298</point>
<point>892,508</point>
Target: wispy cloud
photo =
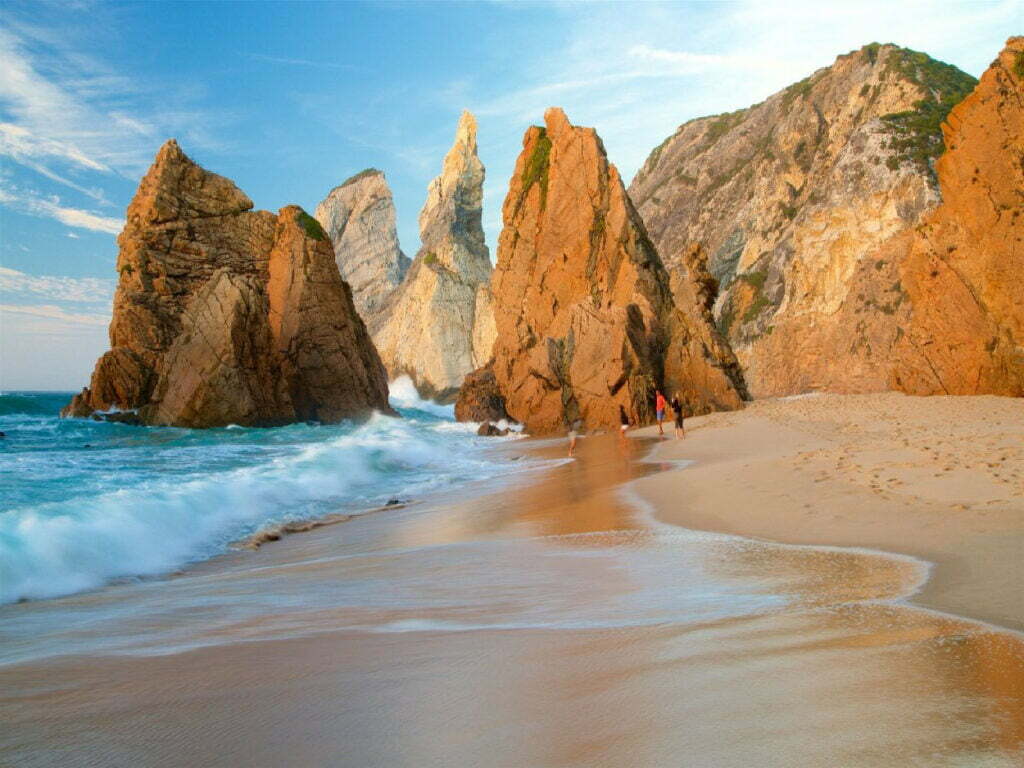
<point>87,290</point>
<point>51,208</point>
<point>51,312</point>
<point>305,62</point>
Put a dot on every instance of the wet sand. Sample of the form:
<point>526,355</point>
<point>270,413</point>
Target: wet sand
<point>555,622</point>
<point>940,478</point>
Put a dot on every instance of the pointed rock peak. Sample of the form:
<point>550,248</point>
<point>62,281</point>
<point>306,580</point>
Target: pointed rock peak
<point>455,198</point>
<point>466,131</point>
<point>556,121</point>
<point>175,187</point>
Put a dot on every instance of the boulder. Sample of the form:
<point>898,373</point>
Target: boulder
<point>479,398</point>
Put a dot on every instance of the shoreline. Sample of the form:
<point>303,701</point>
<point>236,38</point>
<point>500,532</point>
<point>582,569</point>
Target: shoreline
<point>548,613</point>
<point>795,471</point>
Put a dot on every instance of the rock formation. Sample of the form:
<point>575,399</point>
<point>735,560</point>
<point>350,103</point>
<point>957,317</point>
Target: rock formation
<point>438,326</point>
<point>359,217</point>
<point>962,270</point>
<point>585,318</point>
<point>224,315</point>
<point>480,399</point>
<point>792,198</point>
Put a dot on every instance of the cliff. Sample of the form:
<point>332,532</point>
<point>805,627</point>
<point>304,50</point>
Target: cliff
<point>962,270</point>
<point>224,315</point>
<point>793,198</point>
<point>437,326</point>
<point>359,218</point>
<point>584,315</point>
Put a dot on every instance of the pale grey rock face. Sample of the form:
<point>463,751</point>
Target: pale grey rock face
<point>359,218</point>
<point>438,326</point>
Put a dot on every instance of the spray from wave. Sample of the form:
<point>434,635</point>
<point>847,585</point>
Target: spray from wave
<point>90,502</point>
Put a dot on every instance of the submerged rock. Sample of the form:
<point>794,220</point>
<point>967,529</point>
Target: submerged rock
<point>438,325</point>
<point>224,315</point>
<point>584,315</point>
<point>359,218</point>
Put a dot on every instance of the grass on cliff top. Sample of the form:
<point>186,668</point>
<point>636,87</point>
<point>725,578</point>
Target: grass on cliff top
<point>537,167</point>
<point>361,175</point>
<point>310,226</point>
<point>917,133</point>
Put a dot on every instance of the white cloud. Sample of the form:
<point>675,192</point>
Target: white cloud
<point>51,208</point>
<point>76,289</point>
<point>53,315</point>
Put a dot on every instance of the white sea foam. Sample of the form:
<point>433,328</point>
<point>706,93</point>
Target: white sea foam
<point>402,394</point>
<point>141,528</point>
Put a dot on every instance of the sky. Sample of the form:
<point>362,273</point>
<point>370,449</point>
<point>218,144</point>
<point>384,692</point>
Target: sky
<point>288,99</point>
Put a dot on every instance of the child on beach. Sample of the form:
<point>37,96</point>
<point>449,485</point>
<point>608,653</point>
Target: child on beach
<point>677,408</point>
<point>659,409</point>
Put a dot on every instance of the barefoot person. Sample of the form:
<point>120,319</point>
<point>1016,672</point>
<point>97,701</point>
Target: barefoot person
<point>677,409</point>
<point>574,431</point>
<point>659,409</point>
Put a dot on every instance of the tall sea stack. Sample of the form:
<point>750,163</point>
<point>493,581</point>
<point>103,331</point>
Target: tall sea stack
<point>585,318</point>
<point>225,315</point>
<point>437,326</point>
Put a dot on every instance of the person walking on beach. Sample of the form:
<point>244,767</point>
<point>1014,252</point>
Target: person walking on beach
<point>574,430</point>
<point>659,409</point>
<point>677,408</point>
<point>623,422</point>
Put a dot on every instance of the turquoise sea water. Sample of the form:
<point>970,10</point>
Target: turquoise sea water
<point>84,502</point>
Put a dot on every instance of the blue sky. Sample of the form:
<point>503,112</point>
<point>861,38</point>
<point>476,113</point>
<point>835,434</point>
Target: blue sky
<point>289,99</point>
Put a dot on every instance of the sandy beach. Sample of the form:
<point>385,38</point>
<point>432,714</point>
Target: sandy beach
<point>596,613</point>
<point>941,478</point>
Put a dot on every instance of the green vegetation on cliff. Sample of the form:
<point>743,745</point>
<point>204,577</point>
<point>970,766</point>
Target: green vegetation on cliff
<point>537,166</point>
<point>361,175</point>
<point>310,226</point>
<point>917,133</point>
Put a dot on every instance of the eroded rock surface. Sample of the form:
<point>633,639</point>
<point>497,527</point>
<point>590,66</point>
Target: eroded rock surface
<point>792,199</point>
<point>438,325</point>
<point>584,315</point>
<point>224,315</point>
<point>359,217</point>
<point>963,273</point>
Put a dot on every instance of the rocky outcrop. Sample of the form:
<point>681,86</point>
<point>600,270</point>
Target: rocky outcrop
<point>359,218</point>
<point>961,271</point>
<point>438,325</point>
<point>224,315</point>
<point>480,399</point>
<point>793,198</point>
<point>584,314</point>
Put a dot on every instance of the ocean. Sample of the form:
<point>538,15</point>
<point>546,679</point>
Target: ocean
<point>85,502</point>
<point>524,609</point>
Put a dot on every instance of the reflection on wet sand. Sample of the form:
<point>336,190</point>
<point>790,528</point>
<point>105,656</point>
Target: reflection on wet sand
<point>545,625</point>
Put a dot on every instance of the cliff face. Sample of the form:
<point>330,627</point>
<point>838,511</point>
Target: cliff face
<point>962,269</point>
<point>438,325</point>
<point>792,200</point>
<point>359,218</point>
<point>224,315</point>
<point>584,315</point>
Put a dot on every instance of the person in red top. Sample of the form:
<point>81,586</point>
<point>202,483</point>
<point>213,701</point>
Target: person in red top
<point>659,407</point>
